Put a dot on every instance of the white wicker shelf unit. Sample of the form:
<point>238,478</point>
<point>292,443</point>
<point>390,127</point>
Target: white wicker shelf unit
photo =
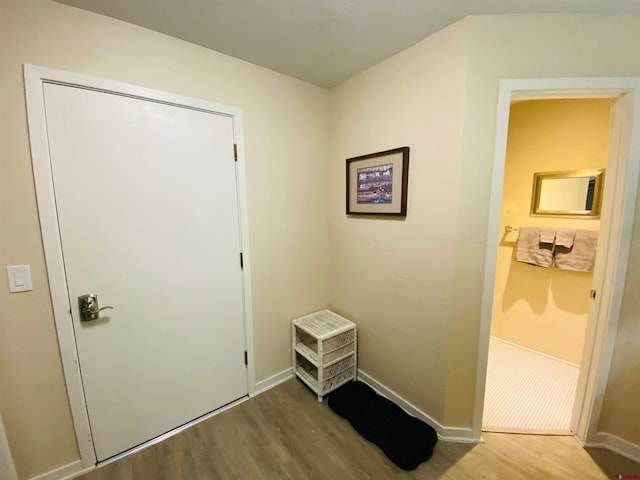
<point>324,351</point>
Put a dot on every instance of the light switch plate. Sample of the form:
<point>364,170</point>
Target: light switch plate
<point>19,278</point>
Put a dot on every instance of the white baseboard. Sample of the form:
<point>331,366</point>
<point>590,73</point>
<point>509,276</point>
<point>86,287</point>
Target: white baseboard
<point>71,470</point>
<point>522,347</point>
<point>447,434</point>
<point>616,444</point>
<point>458,435</point>
<point>79,473</point>
<point>273,381</point>
<point>75,469</point>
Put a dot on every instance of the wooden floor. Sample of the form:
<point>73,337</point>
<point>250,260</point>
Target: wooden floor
<point>286,434</point>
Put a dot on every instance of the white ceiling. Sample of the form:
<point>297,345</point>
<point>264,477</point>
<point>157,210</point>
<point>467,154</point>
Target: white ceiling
<point>320,41</point>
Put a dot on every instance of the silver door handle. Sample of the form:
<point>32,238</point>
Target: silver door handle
<point>89,308</point>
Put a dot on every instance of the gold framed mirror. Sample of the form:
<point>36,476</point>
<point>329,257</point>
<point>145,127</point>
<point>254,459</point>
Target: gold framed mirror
<point>569,194</point>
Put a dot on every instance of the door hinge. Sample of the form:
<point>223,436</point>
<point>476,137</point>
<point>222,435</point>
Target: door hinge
<point>235,152</point>
<point>241,260</point>
<point>592,294</point>
<point>246,358</point>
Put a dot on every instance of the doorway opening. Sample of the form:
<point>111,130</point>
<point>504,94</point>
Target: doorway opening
<point>616,221</point>
<point>540,307</point>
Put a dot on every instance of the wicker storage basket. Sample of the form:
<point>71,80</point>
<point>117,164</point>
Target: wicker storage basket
<point>324,351</point>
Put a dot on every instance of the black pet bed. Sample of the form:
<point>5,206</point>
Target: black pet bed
<point>406,440</point>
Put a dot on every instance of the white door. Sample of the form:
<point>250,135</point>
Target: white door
<point>148,217</point>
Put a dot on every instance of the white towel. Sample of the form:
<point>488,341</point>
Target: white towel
<point>530,250</point>
<point>565,236</point>
<point>581,256</point>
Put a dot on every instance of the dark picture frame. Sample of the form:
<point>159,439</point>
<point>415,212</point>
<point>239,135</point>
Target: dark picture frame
<point>377,183</point>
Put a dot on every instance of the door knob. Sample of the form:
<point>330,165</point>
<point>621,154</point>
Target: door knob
<point>89,308</point>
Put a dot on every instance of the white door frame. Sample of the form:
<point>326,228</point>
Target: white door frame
<point>7,467</point>
<point>34,78</point>
<point>621,185</point>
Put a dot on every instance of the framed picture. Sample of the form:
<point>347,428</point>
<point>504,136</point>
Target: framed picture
<point>377,183</point>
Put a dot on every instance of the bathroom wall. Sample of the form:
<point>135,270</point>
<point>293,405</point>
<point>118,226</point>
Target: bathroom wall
<point>545,309</point>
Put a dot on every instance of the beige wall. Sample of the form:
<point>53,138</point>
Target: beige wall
<point>545,309</point>
<point>418,306</point>
<point>286,144</point>
<point>392,276</point>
